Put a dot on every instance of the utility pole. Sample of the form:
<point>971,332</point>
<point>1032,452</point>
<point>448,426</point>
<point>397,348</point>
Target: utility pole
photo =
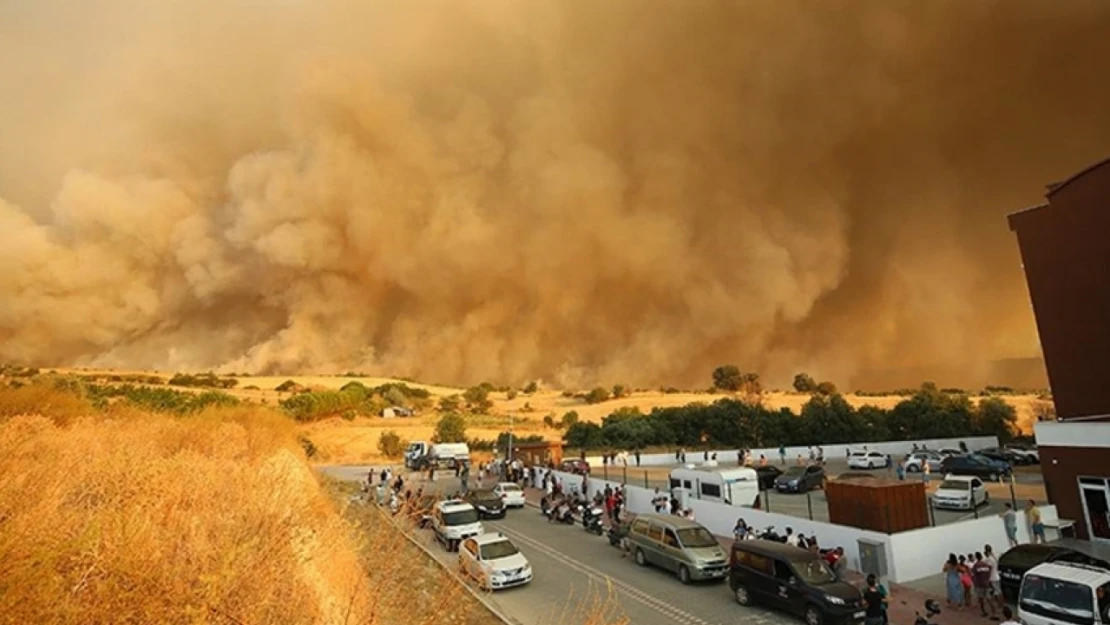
<point>509,453</point>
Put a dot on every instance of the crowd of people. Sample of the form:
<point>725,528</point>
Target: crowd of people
<point>974,579</point>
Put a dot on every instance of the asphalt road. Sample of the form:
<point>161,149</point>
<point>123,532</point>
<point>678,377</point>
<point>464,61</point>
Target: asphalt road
<point>573,570</point>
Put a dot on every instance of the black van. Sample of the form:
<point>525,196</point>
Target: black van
<point>793,580</point>
<point>1013,564</point>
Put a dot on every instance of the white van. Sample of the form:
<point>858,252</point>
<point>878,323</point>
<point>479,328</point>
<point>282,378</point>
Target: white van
<point>1065,594</point>
<point>738,486</point>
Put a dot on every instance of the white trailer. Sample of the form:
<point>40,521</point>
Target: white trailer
<point>737,486</point>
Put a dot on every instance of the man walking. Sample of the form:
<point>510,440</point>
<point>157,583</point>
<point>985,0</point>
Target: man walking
<point>874,600</point>
<point>1009,520</point>
<point>981,578</point>
<point>996,579</point>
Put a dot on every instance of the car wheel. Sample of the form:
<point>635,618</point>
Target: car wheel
<point>993,477</point>
<point>741,594</point>
<point>913,468</point>
<point>640,558</point>
<point>814,616</point>
<point>683,574</point>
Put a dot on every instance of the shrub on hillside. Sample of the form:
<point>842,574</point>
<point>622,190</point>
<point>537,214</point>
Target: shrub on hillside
<point>391,445</point>
<point>202,380</point>
<point>451,428</point>
<point>597,395</point>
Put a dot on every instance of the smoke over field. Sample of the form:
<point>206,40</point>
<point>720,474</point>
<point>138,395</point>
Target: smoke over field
<point>631,190</point>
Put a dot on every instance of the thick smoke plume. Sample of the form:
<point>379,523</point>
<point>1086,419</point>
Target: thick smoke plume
<point>625,191</point>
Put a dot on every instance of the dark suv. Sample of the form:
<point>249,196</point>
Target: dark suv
<point>1015,563</point>
<point>800,479</point>
<point>977,466</point>
<point>793,580</point>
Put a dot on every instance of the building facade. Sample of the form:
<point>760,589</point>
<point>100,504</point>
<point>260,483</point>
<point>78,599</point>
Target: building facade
<point>1065,251</point>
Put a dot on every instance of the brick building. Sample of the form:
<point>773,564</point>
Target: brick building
<point>1065,251</point>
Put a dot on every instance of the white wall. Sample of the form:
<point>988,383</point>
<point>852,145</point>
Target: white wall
<point>921,553</point>
<point>721,518</point>
<point>729,456</point>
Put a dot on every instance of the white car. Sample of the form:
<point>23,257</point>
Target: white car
<point>948,452</point>
<point>494,561</point>
<point>511,494</point>
<point>860,459</point>
<point>1030,456</point>
<point>961,492</point>
<point>917,460</point>
<point>453,521</point>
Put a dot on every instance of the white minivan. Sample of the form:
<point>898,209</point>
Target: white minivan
<point>1065,594</point>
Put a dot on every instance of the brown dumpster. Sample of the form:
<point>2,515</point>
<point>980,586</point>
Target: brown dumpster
<point>880,505</point>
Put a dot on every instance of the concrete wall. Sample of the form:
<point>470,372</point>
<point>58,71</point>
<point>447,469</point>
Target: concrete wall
<point>729,456</point>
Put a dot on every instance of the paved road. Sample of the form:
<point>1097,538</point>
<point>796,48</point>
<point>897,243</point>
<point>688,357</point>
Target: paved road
<point>573,568</point>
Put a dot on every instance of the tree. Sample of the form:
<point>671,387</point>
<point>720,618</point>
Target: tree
<point>995,417</point>
<point>584,436</point>
<point>451,428</point>
<point>510,394</point>
<point>477,398</point>
<point>449,403</point>
<point>825,388</point>
<point>620,390</point>
<point>803,383</point>
<point>597,395</point>
<point>391,445</point>
<point>569,419</point>
<point>531,387</point>
<point>727,378</point>
<point>396,397</point>
<point>549,421</point>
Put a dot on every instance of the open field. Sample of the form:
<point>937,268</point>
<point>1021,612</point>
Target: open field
<point>355,441</point>
<point>118,516</point>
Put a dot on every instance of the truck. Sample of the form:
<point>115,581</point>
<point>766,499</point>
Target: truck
<point>421,454</point>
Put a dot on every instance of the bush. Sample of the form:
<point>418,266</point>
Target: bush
<point>451,428</point>
<point>203,380</point>
<point>477,399</point>
<point>449,403</point>
<point>597,396</point>
<point>825,388</point>
<point>569,419</point>
<point>803,383</point>
<point>727,378</point>
<point>391,445</point>
<point>286,386</point>
<point>549,421</point>
<point>510,394</point>
<point>531,387</point>
<point>619,391</point>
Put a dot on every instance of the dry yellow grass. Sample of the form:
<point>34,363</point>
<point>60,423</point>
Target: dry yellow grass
<point>125,517</point>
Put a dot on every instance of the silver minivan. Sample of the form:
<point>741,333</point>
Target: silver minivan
<point>677,545</point>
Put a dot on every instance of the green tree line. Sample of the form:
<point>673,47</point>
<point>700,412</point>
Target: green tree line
<point>824,420</point>
<point>352,399</point>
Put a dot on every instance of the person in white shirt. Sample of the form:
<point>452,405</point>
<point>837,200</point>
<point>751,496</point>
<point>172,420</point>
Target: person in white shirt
<point>689,514</point>
<point>791,537</point>
<point>996,579</point>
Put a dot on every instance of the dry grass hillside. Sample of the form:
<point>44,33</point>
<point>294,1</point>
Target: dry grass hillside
<point>117,516</point>
<point>355,441</point>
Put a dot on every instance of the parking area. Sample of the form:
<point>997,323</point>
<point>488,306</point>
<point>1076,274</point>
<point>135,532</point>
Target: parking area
<point>1028,484</point>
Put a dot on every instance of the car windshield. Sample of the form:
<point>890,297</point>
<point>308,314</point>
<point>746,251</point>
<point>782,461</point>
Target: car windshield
<point>510,488</point>
<point>954,485</point>
<point>499,549</point>
<point>696,537</point>
<point>1057,598</point>
<point>461,517</point>
<point>794,472</point>
<point>485,496</point>
<point>814,572</point>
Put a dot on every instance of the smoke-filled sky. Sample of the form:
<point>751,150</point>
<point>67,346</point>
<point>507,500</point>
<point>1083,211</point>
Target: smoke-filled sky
<point>627,191</point>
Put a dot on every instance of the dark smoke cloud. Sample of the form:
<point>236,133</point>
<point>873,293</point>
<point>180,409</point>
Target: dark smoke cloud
<point>624,191</point>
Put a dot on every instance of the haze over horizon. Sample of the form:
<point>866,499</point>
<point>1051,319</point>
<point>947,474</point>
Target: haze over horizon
<point>634,192</point>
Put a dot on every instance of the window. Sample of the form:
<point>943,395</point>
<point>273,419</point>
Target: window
<point>711,490</point>
<point>640,526</point>
<point>499,549</point>
<point>675,483</point>
<point>1061,600</point>
<point>686,484</point>
<point>655,532</point>
<point>760,563</point>
<point>953,485</point>
<point>669,538</point>
<point>696,537</point>
<point>461,517</point>
<point>782,571</point>
<point>815,572</point>
<point>975,483</point>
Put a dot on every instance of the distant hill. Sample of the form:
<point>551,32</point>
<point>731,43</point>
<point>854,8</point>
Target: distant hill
<point>1017,373</point>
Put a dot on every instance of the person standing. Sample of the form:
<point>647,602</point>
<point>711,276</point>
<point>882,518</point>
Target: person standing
<point>1036,525</point>
<point>953,589</point>
<point>981,576</point>
<point>874,600</point>
<point>996,578</point>
<point>782,454</point>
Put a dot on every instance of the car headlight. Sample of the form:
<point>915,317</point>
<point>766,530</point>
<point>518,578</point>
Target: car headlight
<point>834,600</point>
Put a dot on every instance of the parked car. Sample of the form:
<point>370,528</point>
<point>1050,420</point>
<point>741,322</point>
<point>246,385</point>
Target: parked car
<point>979,466</point>
<point>961,492</point>
<point>453,521</point>
<point>948,452</point>
<point>512,494</point>
<point>494,561</point>
<point>1015,563</point>
<point>1064,592</point>
<point>1028,453</point>
<point>793,580</point>
<point>915,462</point>
<point>800,479</point>
<point>576,466</point>
<point>767,476</point>
<point>861,459</point>
<point>679,545</point>
<point>1003,455</point>
<point>488,503</point>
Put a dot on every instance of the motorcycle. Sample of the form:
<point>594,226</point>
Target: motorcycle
<point>772,535</point>
<point>591,519</point>
<point>561,513</point>
<point>932,608</point>
<point>616,534</point>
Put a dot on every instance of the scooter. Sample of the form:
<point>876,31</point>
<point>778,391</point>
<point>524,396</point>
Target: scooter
<point>772,535</point>
<point>932,608</point>
<point>616,534</point>
<point>591,519</point>
<point>562,513</point>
